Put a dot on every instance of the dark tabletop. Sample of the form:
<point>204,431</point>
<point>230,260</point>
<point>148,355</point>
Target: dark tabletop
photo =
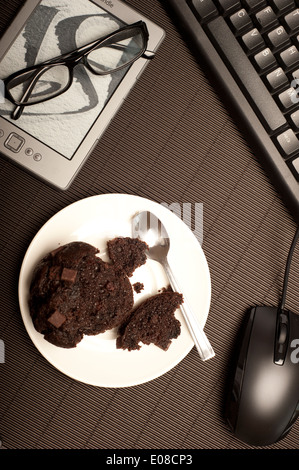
<point>171,141</point>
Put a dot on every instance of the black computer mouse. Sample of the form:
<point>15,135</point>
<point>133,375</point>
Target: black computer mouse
<point>263,399</point>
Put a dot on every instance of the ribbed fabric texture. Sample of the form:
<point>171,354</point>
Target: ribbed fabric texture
<point>172,141</point>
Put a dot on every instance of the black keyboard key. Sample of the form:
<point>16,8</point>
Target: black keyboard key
<point>240,21</point>
<point>205,8</point>
<point>280,6</point>
<point>292,20</point>
<point>287,99</point>
<point>264,60</point>
<point>229,6</point>
<point>295,165</point>
<point>278,37</point>
<point>236,58</point>
<point>266,18</point>
<point>277,79</point>
<point>254,4</point>
<point>288,142</point>
<point>295,76</point>
<point>253,40</point>
<point>295,120</point>
<point>290,57</point>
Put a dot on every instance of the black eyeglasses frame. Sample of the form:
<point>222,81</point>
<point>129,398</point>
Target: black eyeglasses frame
<point>70,60</point>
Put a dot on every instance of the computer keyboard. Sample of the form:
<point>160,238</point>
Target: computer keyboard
<point>250,50</point>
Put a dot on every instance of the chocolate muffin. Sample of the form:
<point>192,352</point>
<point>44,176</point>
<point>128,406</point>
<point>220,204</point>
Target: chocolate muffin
<point>153,321</point>
<point>73,292</point>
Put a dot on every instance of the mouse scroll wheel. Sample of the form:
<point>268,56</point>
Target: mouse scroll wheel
<point>281,340</point>
<point>283,333</point>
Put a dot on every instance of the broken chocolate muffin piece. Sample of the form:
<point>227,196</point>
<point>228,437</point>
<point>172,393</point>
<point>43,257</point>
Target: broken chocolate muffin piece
<point>127,254</point>
<point>138,287</point>
<point>73,292</point>
<point>153,321</point>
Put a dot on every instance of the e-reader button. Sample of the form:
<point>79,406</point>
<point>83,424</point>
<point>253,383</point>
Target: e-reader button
<point>14,142</point>
<point>29,152</point>
<point>1,132</point>
<point>37,157</point>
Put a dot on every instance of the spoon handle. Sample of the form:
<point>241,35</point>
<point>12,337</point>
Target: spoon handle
<point>198,335</point>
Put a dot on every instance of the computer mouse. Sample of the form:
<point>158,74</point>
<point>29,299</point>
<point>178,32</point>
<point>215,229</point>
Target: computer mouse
<point>263,398</point>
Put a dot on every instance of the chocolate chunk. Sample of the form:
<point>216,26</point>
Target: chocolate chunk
<point>69,275</point>
<point>56,319</point>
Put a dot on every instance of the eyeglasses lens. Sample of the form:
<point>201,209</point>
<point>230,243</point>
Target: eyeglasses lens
<point>111,55</point>
<point>42,86</point>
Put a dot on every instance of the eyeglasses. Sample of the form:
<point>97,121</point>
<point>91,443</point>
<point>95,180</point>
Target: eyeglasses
<point>50,79</point>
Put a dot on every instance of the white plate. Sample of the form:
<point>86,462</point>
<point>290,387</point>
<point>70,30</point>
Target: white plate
<point>94,220</point>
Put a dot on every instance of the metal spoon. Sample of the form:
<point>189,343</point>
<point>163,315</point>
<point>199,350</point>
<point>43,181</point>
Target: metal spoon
<point>150,229</point>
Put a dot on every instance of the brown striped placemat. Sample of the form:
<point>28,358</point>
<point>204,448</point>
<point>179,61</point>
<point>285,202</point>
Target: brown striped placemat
<point>172,142</point>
